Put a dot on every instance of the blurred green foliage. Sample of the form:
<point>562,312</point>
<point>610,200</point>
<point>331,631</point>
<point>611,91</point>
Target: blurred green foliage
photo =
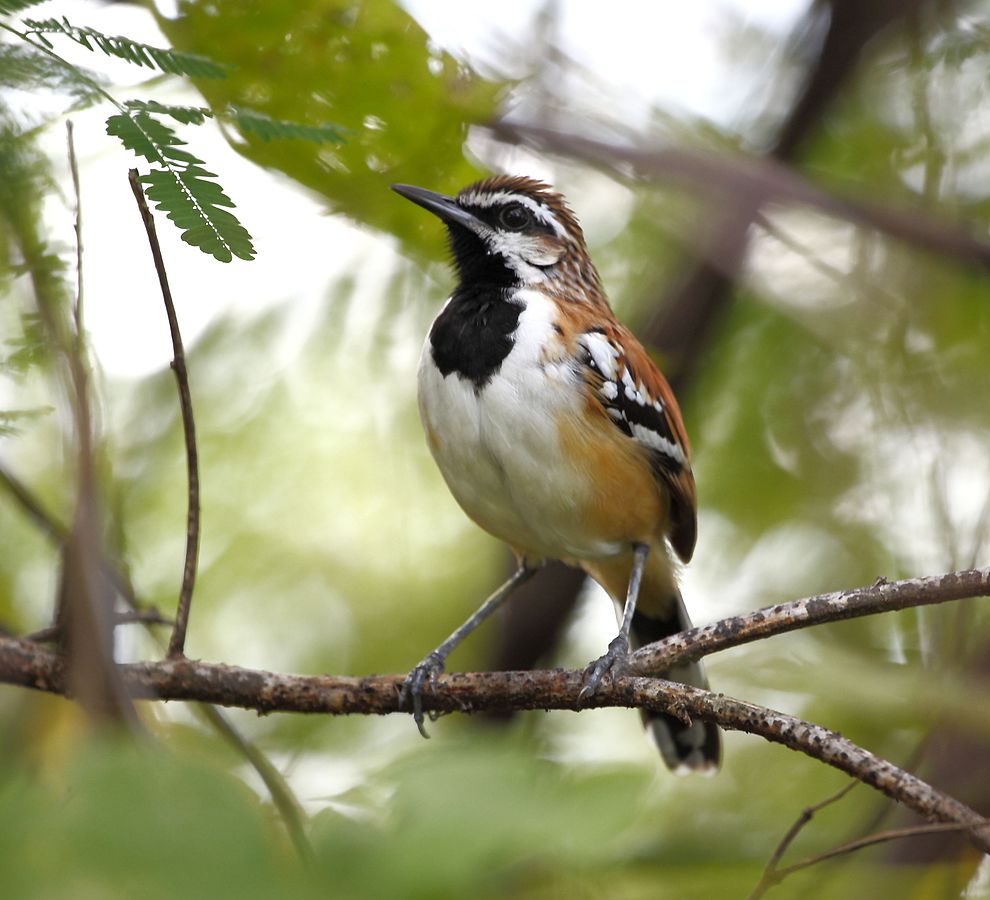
<point>405,105</point>
<point>840,427</point>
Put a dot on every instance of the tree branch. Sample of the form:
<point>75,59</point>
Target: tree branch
<point>882,596</point>
<point>177,643</point>
<point>30,665</point>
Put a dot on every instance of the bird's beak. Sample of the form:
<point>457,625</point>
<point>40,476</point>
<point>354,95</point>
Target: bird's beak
<point>440,205</point>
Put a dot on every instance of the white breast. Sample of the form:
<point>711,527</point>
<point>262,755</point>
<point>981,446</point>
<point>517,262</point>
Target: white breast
<point>498,447</point>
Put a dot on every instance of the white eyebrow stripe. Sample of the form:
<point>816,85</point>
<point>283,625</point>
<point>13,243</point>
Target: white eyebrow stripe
<point>485,199</point>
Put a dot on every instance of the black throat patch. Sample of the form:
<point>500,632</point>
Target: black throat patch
<point>473,335</point>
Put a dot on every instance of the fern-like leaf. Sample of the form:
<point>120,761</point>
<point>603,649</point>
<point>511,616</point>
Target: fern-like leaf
<point>145,136</point>
<point>170,61</point>
<point>25,69</point>
<point>195,205</point>
<point>30,348</point>
<point>181,188</point>
<point>187,115</point>
<point>269,129</point>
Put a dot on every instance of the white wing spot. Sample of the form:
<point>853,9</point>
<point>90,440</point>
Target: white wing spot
<point>602,353</point>
<point>658,442</point>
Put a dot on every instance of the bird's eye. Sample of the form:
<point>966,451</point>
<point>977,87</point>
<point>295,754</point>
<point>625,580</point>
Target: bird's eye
<point>514,217</point>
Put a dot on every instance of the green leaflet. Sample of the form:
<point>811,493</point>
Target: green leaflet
<point>145,136</point>
<point>182,188</point>
<point>24,68</point>
<point>187,115</point>
<point>29,348</point>
<point>194,205</point>
<point>170,61</point>
<point>268,129</point>
<point>404,106</point>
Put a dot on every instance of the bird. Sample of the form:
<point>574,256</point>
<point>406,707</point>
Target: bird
<point>556,432</point>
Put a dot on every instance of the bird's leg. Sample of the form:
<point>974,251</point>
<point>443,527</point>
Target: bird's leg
<point>426,671</point>
<point>618,649</point>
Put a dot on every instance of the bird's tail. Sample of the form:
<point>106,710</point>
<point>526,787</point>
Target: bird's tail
<point>684,747</point>
<point>660,613</point>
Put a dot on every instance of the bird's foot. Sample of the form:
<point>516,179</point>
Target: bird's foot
<point>411,696</point>
<point>610,664</point>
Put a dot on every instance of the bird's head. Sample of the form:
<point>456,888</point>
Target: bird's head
<point>511,230</point>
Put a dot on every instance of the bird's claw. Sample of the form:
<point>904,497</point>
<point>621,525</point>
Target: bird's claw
<point>425,672</point>
<point>609,664</point>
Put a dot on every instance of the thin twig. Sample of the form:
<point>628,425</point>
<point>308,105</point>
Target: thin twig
<point>58,533</point>
<point>920,81</point>
<point>32,506</point>
<point>177,643</point>
<point>813,259</point>
<point>77,309</point>
<point>980,531</point>
<point>870,840</point>
<point>31,665</point>
<point>85,601</point>
<point>131,617</point>
<point>770,874</point>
